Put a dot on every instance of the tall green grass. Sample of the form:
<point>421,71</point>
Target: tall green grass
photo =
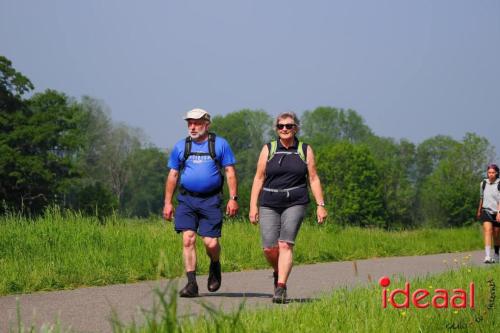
<point>64,251</point>
<point>358,310</point>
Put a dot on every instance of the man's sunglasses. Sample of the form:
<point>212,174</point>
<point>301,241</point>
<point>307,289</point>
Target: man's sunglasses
<point>288,126</point>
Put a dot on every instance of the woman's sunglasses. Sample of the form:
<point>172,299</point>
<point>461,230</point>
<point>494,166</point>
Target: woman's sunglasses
<point>288,126</point>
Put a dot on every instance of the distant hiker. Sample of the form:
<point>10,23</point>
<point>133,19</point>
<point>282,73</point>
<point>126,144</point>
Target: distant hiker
<point>199,161</point>
<point>488,212</point>
<point>280,196</point>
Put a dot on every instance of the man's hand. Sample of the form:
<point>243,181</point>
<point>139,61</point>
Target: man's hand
<point>232,207</point>
<point>168,211</point>
<point>253,215</point>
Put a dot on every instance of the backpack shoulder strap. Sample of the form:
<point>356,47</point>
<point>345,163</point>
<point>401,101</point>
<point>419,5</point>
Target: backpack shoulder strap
<point>301,150</point>
<point>213,156</point>
<point>187,151</point>
<point>272,146</point>
<point>483,185</point>
<point>187,147</point>
<point>211,145</point>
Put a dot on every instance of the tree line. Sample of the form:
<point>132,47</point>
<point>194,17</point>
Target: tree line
<point>55,149</point>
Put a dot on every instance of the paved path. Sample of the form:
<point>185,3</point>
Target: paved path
<point>89,309</point>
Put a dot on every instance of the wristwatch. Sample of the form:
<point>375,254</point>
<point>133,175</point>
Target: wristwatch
<point>233,197</point>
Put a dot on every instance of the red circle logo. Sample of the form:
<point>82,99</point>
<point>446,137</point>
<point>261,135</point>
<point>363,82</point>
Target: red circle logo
<point>384,281</point>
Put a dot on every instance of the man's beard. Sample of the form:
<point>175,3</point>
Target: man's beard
<point>198,134</point>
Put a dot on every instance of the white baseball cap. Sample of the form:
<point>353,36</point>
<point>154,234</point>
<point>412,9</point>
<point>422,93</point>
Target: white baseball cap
<point>197,114</point>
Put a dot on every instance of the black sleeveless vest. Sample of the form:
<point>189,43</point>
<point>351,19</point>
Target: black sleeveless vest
<point>284,172</point>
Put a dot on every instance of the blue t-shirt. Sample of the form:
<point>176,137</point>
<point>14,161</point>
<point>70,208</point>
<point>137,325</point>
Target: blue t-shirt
<point>200,173</point>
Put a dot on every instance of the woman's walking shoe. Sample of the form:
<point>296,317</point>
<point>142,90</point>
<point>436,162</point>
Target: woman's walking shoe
<point>279,295</point>
<point>488,260</point>
<point>190,290</point>
<point>214,277</point>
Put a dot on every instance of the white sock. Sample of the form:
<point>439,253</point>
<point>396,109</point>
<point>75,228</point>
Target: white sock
<point>487,250</point>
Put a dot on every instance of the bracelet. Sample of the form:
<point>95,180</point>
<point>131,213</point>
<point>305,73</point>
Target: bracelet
<point>321,204</point>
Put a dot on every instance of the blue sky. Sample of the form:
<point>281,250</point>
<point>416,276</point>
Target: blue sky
<point>411,69</point>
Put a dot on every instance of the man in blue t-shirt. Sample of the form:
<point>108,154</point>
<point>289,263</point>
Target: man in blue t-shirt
<point>199,198</point>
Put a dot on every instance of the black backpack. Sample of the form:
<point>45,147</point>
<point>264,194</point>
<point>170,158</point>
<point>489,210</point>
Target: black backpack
<point>211,152</point>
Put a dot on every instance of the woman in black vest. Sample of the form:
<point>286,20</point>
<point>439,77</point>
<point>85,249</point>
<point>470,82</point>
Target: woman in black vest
<point>280,196</point>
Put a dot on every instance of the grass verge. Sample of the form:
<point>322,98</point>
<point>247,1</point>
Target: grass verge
<point>66,251</point>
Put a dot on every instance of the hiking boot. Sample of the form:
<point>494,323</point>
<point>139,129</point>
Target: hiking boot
<point>488,260</point>
<point>496,257</point>
<point>190,290</point>
<point>214,277</point>
<point>275,277</point>
<point>279,295</point>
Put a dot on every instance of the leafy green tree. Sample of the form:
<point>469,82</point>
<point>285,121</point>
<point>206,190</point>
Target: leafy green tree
<point>114,165</point>
<point>352,184</point>
<point>96,127</point>
<point>38,148</point>
<point>116,161</point>
<point>13,109</point>
<point>13,85</point>
<point>396,160</point>
<point>90,193</point>
<point>92,199</point>
<point>246,131</point>
<point>143,194</point>
<point>326,125</point>
<point>430,153</point>
<point>451,193</point>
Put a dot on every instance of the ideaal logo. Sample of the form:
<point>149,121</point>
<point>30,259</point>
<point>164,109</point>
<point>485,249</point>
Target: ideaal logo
<point>423,298</point>
<point>440,298</point>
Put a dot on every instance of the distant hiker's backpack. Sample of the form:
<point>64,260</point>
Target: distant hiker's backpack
<point>273,146</point>
<point>211,152</point>
<point>483,185</point>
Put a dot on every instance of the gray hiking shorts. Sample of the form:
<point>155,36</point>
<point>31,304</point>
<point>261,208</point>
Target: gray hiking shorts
<point>280,224</point>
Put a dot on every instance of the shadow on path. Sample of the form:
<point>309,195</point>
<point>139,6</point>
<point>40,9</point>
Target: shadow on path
<point>241,295</point>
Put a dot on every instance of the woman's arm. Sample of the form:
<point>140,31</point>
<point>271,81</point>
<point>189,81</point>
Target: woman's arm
<point>315,184</point>
<point>258,183</point>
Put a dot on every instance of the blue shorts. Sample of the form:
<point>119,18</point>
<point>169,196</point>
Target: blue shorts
<point>202,215</point>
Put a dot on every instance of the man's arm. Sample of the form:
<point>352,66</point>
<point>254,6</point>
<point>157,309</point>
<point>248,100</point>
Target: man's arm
<point>232,184</point>
<point>171,183</point>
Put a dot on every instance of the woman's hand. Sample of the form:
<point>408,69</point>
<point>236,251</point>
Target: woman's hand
<point>321,214</point>
<point>254,214</point>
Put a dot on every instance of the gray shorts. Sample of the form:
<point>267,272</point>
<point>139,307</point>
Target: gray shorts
<point>280,224</point>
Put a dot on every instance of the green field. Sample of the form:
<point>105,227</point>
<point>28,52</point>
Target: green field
<point>65,251</point>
